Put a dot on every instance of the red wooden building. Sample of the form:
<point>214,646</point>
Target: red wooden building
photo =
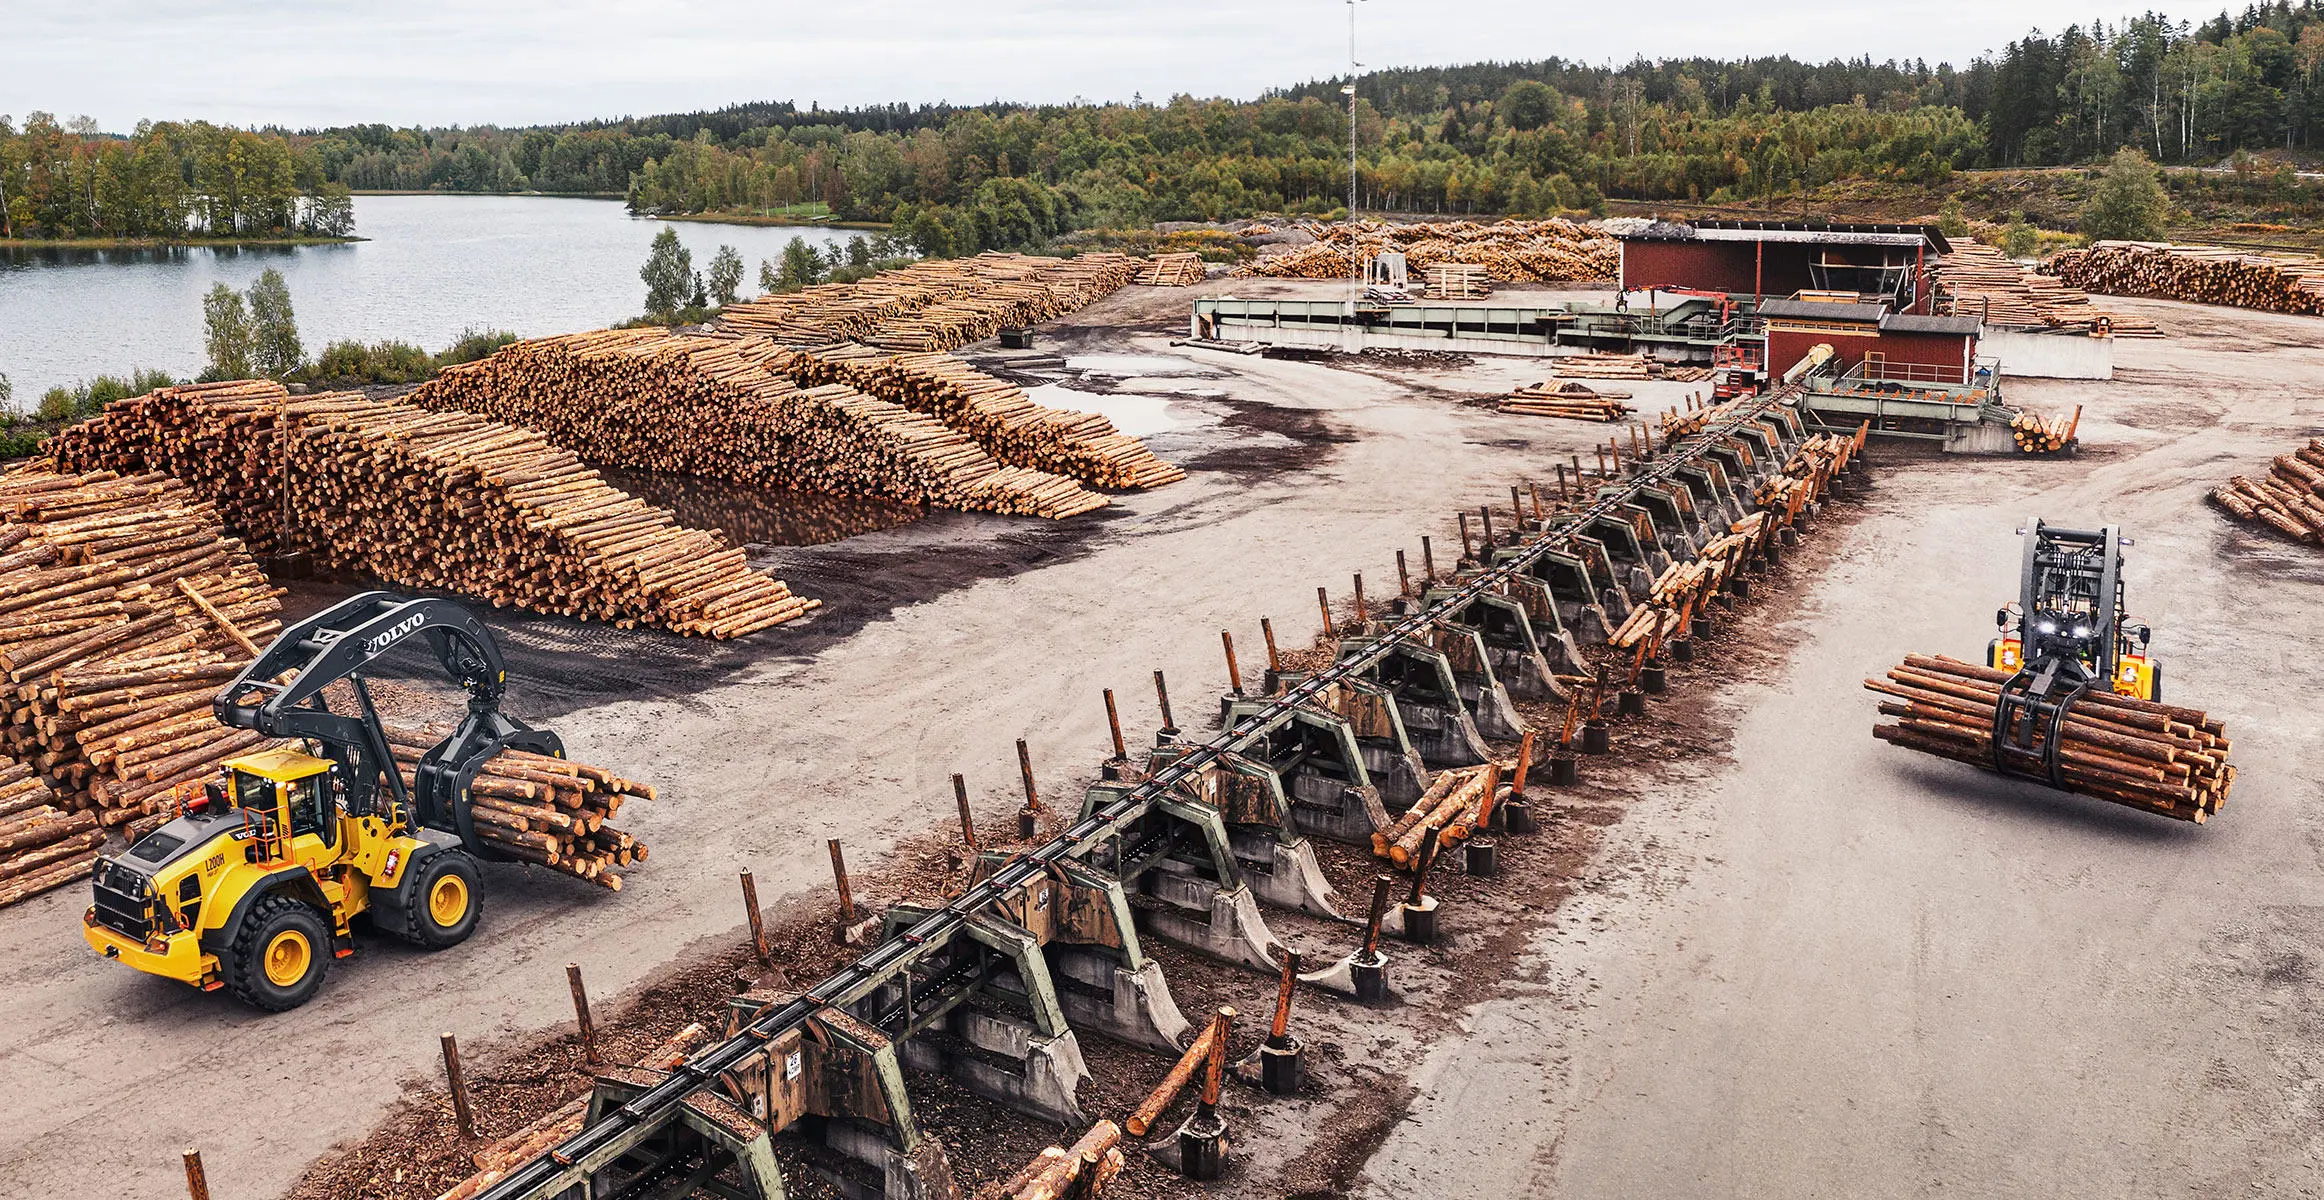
<point>1889,263</point>
<point>1890,346</point>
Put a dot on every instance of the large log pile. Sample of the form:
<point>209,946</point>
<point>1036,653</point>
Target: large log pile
<point>723,407</point>
<point>995,412</point>
<point>440,501</point>
<point>2203,274</point>
<point>1976,280</point>
<point>939,304</point>
<point>2157,757</point>
<point>1511,251</point>
<point>2288,499</point>
<point>1573,401</point>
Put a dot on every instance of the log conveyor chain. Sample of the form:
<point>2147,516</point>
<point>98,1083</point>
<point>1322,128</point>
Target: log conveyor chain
<point>836,1050</point>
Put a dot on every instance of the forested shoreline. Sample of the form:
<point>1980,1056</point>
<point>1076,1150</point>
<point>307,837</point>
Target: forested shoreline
<point>1522,139</point>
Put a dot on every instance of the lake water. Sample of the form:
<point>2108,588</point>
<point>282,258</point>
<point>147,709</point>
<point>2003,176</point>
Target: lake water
<point>432,267</point>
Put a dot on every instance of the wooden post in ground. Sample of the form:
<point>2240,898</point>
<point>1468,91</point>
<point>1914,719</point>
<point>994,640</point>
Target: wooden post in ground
<point>581,1013</point>
<point>461,1114</point>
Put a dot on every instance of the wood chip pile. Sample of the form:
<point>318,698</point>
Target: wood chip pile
<point>2157,757</point>
<point>995,412</point>
<point>548,811</point>
<point>2288,499</point>
<point>724,407</point>
<point>1979,281</point>
<point>442,501</point>
<point>123,604</point>
<point>939,304</point>
<point>1511,251</point>
<point>1171,270</point>
<point>1573,401</point>
<point>2203,274</point>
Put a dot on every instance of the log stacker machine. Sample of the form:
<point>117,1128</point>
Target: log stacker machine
<point>2067,634</point>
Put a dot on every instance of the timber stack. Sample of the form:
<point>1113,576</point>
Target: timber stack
<point>444,501</point>
<point>1457,803</point>
<point>548,811</point>
<point>1456,281</point>
<point>1171,270</point>
<point>723,407</point>
<point>1573,401</point>
<point>2203,274</point>
<point>2157,757</point>
<point>938,304</point>
<point>994,412</point>
<point>2037,435</point>
<point>1976,280</point>
<point>2288,499</point>
<point>1510,251</point>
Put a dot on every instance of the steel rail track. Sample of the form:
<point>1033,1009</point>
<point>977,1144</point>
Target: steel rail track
<point>876,964</point>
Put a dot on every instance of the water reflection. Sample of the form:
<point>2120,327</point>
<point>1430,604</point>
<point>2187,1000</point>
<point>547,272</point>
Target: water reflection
<point>763,516</point>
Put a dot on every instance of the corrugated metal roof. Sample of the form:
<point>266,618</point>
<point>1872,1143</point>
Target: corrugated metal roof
<point>1811,310</point>
<point>1915,323</point>
<point>1806,232</point>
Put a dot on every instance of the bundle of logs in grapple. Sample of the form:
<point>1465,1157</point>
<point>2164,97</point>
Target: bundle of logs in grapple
<point>2156,757</point>
<point>550,811</point>
<point>2203,274</point>
<point>995,412</point>
<point>725,408</point>
<point>2288,499</point>
<point>1457,803</point>
<point>2036,435</point>
<point>1572,401</point>
<point>387,491</point>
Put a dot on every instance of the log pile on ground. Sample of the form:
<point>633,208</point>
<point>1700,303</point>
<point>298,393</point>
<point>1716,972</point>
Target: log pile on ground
<point>725,408</point>
<point>1573,401</point>
<point>2157,757</point>
<point>2202,274</point>
<point>549,811</point>
<point>1171,270</point>
<point>2288,499</point>
<point>441,501</point>
<point>940,304</point>
<point>42,844</point>
<point>2035,434</point>
<point>1977,280</point>
<point>1079,1172</point>
<point>1511,251</point>
<point>995,412</point>
<point>1456,281</point>
<point>1457,803</point>
<point>1602,366</point>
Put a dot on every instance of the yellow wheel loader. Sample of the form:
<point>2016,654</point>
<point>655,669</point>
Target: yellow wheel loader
<point>255,884</point>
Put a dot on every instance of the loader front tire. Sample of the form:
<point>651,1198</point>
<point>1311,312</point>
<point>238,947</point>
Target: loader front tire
<point>440,907</point>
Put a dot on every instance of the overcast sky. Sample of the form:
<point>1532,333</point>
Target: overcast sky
<point>442,62</point>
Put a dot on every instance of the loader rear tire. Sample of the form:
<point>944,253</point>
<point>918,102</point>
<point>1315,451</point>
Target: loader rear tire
<point>280,955</point>
<point>440,907</point>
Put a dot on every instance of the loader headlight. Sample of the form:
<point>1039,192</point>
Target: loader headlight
<point>2049,627</point>
<point>2081,631</point>
<point>2130,672</point>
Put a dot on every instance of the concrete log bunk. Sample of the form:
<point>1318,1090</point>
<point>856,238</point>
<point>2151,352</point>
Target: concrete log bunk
<point>2157,757</point>
<point>2288,499</point>
<point>995,985</point>
<point>382,490</point>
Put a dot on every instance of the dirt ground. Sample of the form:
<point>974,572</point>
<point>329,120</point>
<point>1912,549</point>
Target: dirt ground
<point>943,641</point>
<point>1836,968</point>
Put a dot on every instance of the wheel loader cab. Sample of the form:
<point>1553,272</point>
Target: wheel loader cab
<point>284,794</point>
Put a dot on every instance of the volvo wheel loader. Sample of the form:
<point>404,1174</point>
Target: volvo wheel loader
<point>256,883</point>
<point>2068,633</point>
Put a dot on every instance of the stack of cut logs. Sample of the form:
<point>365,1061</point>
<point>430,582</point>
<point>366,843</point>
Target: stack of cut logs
<point>2203,274</point>
<point>1510,251</point>
<point>433,500</point>
<point>724,407</point>
<point>1601,366</point>
<point>42,845</point>
<point>1078,1172</point>
<point>1978,281</point>
<point>1573,401</point>
<point>1684,587</point>
<point>939,304</point>
<point>1456,803</point>
<point>1171,270</point>
<point>2035,435</point>
<point>996,413</point>
<point>2156,757</point>
<point>549,811</point>
<point>2288,499</point>
<point>1456,281</point>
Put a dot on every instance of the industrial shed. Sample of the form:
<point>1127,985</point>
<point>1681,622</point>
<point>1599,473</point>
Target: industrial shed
<point>1889,263</point>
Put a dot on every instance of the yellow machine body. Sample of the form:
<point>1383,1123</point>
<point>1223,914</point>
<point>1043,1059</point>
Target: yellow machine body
<point>2136,675</point>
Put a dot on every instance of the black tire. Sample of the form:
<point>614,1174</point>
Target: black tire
<point>260,972</point>
<point>2155,670</point>
<point>423,918</point>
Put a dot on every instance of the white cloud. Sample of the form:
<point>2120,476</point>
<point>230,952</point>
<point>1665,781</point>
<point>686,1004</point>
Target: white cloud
<point>437,62</point>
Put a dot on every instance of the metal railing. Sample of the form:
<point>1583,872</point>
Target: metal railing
<point>549,1172</point>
